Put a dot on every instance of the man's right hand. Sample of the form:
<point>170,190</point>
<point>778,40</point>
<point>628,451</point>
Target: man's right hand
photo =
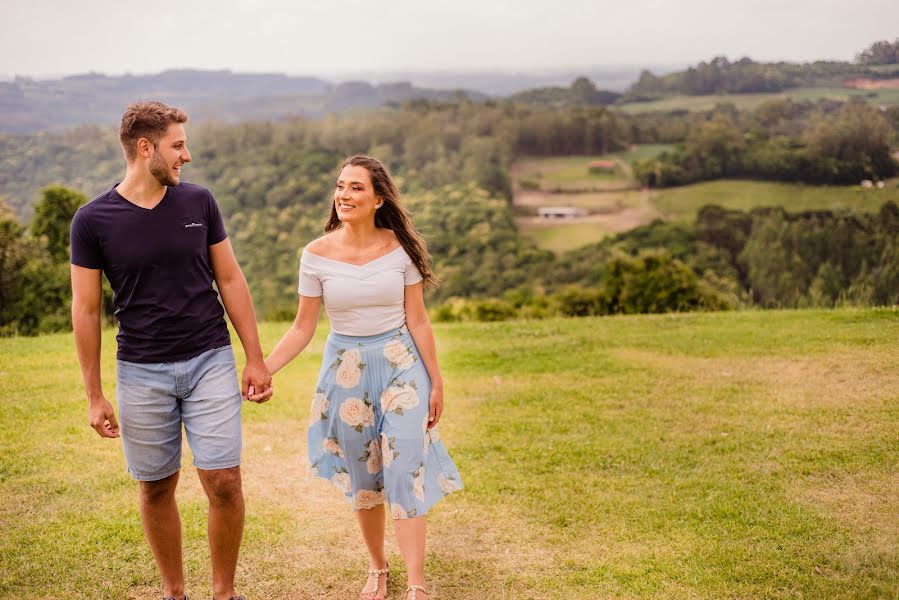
<point>102,419</point>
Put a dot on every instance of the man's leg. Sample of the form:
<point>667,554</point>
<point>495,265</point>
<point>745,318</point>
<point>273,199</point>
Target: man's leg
<point>150,420</point>
<point>162,528</point>
<point>226,516</point>
<point>211,415</point>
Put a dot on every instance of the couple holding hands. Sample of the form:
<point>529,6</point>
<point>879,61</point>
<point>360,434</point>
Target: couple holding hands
<point>161,244</point>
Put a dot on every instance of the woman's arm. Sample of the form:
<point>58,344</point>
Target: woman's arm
<point>420,327</point>
<point>298,336</point>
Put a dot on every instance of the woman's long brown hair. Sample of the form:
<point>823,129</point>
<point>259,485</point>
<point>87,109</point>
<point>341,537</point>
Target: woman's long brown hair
<point>391,215</point>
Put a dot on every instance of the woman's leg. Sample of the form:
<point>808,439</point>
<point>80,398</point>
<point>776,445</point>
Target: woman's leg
<point>410,535</point>
<point>371,522</point>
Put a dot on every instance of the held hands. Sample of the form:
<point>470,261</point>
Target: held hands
<point>257,383</point>
<point>102,418</point>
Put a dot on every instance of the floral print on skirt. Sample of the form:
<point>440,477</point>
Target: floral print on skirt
<point>368,430</point>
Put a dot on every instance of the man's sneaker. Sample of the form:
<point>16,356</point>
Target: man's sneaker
<point>171,598</point>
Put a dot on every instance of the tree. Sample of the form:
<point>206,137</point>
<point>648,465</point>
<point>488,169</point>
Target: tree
<point>880,53</point>
<point>53,216</point>
<point>855,146</point>
<point>34,289</point>
<point>12,259</point>
<point>651,282</point>
<point>718,146</point>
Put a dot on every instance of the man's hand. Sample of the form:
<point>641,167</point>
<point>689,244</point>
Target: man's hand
<point>102,418</point>
<point>257,383</point>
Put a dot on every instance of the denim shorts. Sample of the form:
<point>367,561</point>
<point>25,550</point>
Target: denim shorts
<point>154,399</point>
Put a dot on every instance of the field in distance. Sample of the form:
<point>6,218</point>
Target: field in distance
<point>606,196</point>
<point>752,101</point>
<point>610,201</point>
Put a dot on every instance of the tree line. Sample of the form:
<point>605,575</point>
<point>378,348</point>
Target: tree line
<point>273,182</point>
<point>745,76</point>
<point>880,53</point>
<point>726,259</point>
<point>432,144</point>
<point>783,141</point>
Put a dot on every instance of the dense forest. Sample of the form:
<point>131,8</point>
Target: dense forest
<point>452,157</point>
<point>273,182</point>
<point>784,141</point>
<point>431,144</point>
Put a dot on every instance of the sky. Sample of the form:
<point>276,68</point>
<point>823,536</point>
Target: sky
<point>49,38</point>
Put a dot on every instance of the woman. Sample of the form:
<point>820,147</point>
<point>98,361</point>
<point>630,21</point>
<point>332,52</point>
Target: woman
<point>379,394</point>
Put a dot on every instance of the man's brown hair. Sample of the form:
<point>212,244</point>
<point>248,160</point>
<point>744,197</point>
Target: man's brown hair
<point>147,120</point>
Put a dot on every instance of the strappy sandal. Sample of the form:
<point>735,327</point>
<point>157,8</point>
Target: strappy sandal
<point>377,573</point>
<point>415,589</point>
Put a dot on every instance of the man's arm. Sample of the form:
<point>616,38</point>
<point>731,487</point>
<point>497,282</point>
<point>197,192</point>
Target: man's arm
<point>237,300</point>
<point>86,297</point>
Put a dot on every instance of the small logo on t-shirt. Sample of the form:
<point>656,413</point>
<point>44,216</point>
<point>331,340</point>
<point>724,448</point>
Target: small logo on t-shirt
<point>194,225</point>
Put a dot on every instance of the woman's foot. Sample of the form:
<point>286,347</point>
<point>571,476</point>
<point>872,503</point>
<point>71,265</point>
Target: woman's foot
<point>376,586</point>
<point>417,592</point>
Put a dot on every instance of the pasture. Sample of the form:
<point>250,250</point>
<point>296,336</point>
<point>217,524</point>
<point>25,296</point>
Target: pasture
<point>753,101</point>
<point>717,455</point>
<point>613,203</point>
<point>682,203</point>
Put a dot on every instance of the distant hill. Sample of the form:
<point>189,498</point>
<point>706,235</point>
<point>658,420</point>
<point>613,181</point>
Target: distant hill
<point>506,83</point>
<point>745,76</point>
<point>28,105</point>
<point>582,92</point>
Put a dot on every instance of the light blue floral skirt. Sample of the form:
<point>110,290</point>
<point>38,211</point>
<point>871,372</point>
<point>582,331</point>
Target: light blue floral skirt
<point>368,430</point>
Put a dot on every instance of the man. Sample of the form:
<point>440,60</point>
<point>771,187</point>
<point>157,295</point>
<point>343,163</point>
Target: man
<point>161,243</point>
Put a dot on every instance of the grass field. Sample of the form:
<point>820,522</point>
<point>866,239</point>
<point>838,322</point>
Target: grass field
<point>610,212</point>
<point>613,200</point>
<point>752,101</point>
<point>561,238</point>
<point>569,173</point>
<point>682,203</point>
<point>723,455</point>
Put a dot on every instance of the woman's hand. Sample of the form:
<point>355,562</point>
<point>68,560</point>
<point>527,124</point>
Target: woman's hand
<point>436,406</point>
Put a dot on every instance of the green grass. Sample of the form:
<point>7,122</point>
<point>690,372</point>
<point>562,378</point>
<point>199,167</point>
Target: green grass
<point>561,238</point>
<point>752,101</point>
<point>722,455</point>
<point>570,173</point>
<point>642,151</point>
<point>682,203</point>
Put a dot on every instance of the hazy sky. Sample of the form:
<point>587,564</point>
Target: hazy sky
<point>336,37</point>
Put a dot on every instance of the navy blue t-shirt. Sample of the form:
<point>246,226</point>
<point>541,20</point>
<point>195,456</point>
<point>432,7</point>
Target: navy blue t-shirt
<point>159,266</point>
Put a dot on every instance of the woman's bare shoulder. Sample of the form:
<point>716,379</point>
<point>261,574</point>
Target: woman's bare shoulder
<point>321,245</point>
